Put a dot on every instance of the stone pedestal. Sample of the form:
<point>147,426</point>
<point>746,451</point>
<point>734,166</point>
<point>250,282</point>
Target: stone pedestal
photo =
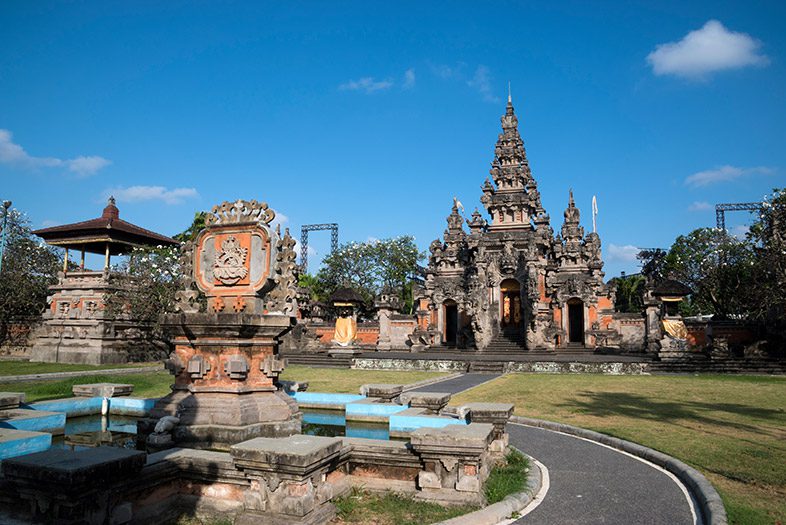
<point>226,366</point>
<point>72,487</point>
<point>288,479</point>
<point>456,461</point>
<point>382,391</point>
<point>431,402</point>
<point>495,414</point>
<point>102,390</point>
<point>11,399</point>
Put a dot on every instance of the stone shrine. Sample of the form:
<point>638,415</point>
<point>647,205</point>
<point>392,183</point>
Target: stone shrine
<point>512,284</point>
<point>76,327</point>
<point>226,361</point>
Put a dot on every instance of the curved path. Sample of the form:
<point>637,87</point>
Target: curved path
<point>589,482</point>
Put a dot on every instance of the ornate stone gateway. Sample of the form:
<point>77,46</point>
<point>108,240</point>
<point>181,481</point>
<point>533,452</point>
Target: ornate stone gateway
<point>513,281</point>
<point>226,362</point>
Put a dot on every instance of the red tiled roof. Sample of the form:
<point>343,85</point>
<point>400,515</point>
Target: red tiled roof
<point>107,228</point>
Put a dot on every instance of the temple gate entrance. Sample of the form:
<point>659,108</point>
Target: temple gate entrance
<point>510,303</point>
<point>576,321</point>
<point>451,321</point>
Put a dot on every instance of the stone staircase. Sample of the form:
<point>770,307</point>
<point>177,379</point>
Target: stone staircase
<point>319,360</point>
<point>487,367</point>
<point>506,342</point>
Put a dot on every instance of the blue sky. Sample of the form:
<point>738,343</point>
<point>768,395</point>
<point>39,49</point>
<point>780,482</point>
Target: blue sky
<point>375,114</point>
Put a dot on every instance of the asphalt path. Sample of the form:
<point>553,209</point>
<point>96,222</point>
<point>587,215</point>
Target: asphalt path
<point>589,483</point>
<point>457,384</point>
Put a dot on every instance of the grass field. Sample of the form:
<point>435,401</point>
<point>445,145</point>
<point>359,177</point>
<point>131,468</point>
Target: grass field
<point>20,368</point>
<point>156,383</point>
<point>153,384</point>
<point>731,428</point>
<point>348,381</point>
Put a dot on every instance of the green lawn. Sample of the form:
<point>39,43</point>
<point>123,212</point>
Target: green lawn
<point>731,428</point>
<point>153,384</point>
<point>20,368</point>
<point>349,381</point>
<point>156,383</point>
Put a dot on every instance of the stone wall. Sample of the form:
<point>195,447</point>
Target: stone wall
<point>17,340</point>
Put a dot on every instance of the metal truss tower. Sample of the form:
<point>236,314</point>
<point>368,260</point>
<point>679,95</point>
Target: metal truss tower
<point>721,209</point>
<point>332,226</point>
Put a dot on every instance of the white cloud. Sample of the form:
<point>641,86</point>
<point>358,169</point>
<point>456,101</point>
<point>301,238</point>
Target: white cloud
<point>153,193</point>
<point>723,174</point>
<point>279,220</point>
<point>366,84</point>
<point>409,79</point>
<point>15,155</point>
<point>700,206</point>
<point>706,50</point>
<point>626,253</point>
<point>481,82</point>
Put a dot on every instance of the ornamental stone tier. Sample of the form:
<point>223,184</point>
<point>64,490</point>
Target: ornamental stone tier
<point>226,361</point>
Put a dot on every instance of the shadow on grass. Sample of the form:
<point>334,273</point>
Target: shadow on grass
<point>605,404</point>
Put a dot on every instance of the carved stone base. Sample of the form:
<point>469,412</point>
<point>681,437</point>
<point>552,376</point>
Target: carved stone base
<point>219,420</point>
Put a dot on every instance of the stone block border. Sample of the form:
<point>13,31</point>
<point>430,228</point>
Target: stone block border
<point>513,504</point>
<point>710,504</point>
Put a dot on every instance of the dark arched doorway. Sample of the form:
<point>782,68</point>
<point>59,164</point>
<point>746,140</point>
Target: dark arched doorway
<point>451,321</point>
<point>576,321</point>
<point>510,304</point>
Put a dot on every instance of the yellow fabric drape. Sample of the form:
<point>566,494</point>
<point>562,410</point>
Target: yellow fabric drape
<point>675,328</point>
<point>346,331</point>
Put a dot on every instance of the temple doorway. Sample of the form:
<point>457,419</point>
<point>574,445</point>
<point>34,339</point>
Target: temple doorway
<point>510,303</point>
<point>576,321</point>
<point>451,321</point>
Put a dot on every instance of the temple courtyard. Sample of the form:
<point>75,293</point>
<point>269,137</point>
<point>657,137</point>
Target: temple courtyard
<point>730,428</point>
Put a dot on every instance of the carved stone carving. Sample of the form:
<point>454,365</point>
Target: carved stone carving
<point>230,264</point>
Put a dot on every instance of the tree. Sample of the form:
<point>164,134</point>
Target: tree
<point>630,293</point>
<point>29,268</point>
<point>197,225</point>
<point>149,280</point>
<point>768,237</point>
<point>717,267</point>
<point>371,267</point>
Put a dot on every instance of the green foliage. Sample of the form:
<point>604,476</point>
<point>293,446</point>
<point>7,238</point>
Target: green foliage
<point>359,506</point>
<point>147,288</point>
<point>768,236</point>
<point>730,277</point>
<point>197,225</point>
<point>630,293</point>
<point>370,267</point>
<point>507,478</point>
<point>29,268</point>
<point>718,267</point>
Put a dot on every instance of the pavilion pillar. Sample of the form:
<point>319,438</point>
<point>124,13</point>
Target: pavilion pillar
<point>82,261</point>
<point>65,261</point>
<point>106,258</point>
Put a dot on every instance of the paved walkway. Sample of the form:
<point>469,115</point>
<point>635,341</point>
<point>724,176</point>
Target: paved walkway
<point>590,483</point>
<point>457,384</point>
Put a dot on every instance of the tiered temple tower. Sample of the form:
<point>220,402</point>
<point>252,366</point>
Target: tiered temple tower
<point>511,285</point>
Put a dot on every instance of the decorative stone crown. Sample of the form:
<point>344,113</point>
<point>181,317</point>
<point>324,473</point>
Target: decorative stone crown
<point>240,212</point>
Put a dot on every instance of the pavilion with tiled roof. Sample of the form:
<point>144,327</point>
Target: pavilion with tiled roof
<point>106,235</point>
<point>76,327</point>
